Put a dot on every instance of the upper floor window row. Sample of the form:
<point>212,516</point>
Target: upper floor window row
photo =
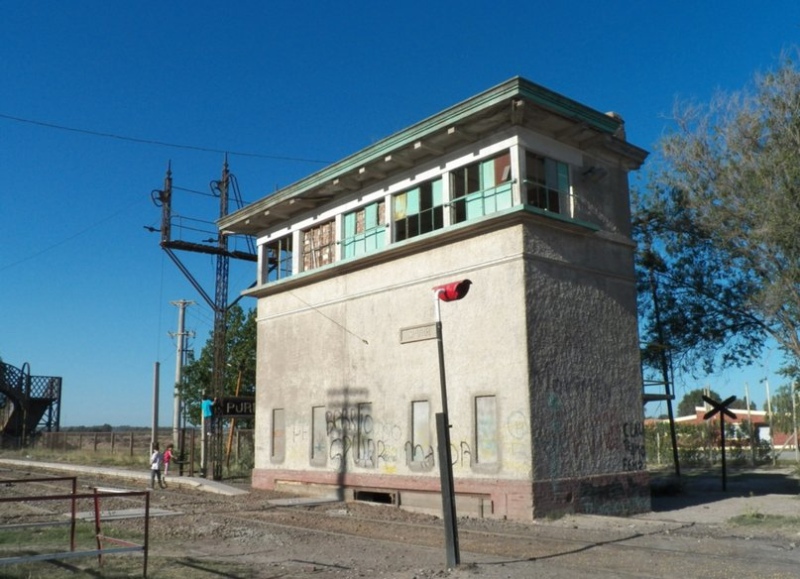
<point>364,230</point>
<point>547,184</point>
<point>469,192</point>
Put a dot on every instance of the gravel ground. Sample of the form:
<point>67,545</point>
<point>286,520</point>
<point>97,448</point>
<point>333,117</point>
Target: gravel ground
<point>699,530</point>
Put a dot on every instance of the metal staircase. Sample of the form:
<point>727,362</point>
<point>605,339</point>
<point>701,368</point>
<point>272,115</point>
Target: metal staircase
<point>28,404</point>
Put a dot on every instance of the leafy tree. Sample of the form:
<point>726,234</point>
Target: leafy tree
<point>694,399</point>
<point>240,370</point>
<point>718,226</point>
<point>741,404</point>
<point>782,417</point>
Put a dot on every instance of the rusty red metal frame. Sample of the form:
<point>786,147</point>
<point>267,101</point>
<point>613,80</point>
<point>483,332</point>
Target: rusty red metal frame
<point>73,497</point>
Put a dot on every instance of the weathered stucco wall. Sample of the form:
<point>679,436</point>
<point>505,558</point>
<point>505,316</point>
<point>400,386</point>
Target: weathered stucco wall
<point>588,443</point>
<point>337,344</point>
<point>560,358</point>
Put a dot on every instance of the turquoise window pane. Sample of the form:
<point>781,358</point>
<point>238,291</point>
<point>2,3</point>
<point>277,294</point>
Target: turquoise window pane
<point>489,202</point>
<point>350,225</point>
<point>370,216</point>
<point>563,177</point>
<point>487,174</point>
<point>413,202</point>
<point>503,197</point>
<point>436,192</point>
<point>474,205</point>
<point>359,247</point>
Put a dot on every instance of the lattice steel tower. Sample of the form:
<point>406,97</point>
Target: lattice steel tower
<point>219,304</point>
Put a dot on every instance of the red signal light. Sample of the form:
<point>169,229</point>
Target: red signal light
<point>453,291</point>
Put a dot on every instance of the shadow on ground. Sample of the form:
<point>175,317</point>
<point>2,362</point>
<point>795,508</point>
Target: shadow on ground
<point>699,487</point>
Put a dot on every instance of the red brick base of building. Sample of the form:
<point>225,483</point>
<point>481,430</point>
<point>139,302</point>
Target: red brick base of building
<point>614,494</point>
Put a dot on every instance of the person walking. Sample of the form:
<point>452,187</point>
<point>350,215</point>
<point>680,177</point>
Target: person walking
<point>156,460</point>
<point>167,460</point>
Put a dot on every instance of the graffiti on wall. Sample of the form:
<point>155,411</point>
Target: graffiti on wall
<point>419,456</point>
<point>635,456</point>
<point>351,436</point>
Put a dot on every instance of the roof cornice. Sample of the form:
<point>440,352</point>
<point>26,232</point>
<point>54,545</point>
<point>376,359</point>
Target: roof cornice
<point>319,187</point>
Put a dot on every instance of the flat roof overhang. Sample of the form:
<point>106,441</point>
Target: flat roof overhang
<point>516,102</point>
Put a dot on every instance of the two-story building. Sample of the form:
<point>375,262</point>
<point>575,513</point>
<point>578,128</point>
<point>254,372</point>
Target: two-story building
<point>524,192</point>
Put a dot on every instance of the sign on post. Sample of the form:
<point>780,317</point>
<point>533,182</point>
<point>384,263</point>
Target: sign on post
<point>237,407</point>
<point>721,408</point>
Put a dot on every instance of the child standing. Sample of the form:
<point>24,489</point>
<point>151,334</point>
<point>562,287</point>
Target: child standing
<point>167,459</point>
<point>155,467</point>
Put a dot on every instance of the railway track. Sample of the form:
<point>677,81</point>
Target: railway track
<point>259,532</point>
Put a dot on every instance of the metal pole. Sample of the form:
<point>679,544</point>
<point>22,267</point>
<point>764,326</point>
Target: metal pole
<point>665,373</point>
<point>181,347</point>
<point>769,415</point>
<point>722,442</point>
<point>154,431</point>
<point>794,422</point>
<point>750,425</point>
<point>445,457</point>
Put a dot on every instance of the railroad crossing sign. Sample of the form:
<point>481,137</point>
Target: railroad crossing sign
<point>720,408</point>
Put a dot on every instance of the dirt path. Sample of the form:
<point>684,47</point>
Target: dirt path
<point>688,534</point>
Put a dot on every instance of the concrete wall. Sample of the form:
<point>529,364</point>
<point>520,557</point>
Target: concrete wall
<point>337,344</point>
<point>548,329</point>
<point>585,384</point>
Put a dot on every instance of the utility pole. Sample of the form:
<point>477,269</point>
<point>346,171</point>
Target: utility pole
<point>219,248</point>
<point>771,431</point>
<point>750,425</point>
<point>179,360</point>
<point>794,421</point>
<point>154,426</point>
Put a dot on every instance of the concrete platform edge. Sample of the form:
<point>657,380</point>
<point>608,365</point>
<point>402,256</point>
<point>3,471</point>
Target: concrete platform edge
<point>196,483</point>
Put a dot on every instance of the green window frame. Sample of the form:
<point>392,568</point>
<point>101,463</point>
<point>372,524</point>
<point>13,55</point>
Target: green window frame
<point>417,211</point>
<point>481,188</point>
<point>277,259</point>
<point>547,183</point>
<point>364,230</point>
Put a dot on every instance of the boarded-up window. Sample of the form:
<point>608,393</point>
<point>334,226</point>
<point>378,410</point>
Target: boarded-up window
<point>421,446</point>
<point>486,442</point>
<point>364,437</point>
<point>319,245</point>
<point>319,436</point>
<point>278,435</point>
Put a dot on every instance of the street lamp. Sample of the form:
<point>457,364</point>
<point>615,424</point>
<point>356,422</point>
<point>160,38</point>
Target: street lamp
<point>447,293</point>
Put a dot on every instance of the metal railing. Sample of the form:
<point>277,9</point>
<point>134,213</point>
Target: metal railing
<point>101,539</point>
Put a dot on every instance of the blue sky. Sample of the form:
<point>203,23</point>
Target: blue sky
<point>85,290</point>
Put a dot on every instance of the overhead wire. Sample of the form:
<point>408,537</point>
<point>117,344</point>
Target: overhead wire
<point>158,142</point>
<point>70,237</point>
<point>195,191</point>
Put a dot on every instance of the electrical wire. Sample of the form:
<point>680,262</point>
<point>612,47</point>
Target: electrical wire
<point>330,319</point>
<point>70,237</point>
<point>195,191</point>
<point>158,143</point>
